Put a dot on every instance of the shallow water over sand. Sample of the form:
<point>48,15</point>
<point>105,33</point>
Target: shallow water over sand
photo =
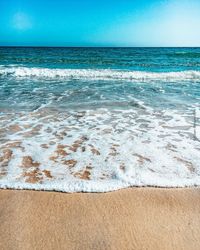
<point>98,150</point>
<point>88,126</point>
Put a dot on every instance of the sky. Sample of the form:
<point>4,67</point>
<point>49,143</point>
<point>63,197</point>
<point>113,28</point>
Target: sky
<point>144,23</point>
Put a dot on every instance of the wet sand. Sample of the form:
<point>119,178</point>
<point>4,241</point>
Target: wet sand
<point>137,218</point>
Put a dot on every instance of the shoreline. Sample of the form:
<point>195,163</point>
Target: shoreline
<point>132,218</point>
<point>189,187</point>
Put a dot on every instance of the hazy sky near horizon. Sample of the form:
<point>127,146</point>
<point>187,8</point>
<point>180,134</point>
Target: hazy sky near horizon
<point>100,23</point>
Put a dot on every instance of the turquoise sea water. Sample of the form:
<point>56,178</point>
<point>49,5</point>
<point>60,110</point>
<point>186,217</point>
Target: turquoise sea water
<point>131,112</point>
<point>85,83</point>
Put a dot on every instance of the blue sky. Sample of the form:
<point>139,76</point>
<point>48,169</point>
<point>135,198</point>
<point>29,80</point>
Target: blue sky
<point>100,23</point>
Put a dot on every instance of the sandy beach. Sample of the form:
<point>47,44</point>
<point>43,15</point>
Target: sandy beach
<point>135,218</point>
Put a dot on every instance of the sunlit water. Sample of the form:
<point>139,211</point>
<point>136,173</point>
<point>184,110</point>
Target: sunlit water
<point>99,119</point>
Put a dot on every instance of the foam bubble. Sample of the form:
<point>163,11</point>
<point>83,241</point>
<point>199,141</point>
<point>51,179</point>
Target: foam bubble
<point>98,150</point>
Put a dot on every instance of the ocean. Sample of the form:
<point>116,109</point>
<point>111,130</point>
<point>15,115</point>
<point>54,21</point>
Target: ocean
<point>99,119</point>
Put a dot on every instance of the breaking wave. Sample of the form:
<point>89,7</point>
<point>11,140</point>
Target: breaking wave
<point>102,74</point>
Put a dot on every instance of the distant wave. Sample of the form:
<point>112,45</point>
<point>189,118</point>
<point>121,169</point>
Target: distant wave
<point>102,74</point>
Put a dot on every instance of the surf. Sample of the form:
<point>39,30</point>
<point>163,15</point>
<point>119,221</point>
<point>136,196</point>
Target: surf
<point>98,74</point>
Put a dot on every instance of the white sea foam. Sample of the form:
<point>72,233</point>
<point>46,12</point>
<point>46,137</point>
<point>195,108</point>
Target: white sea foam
<point>103,74</point>
<point>98,150</point>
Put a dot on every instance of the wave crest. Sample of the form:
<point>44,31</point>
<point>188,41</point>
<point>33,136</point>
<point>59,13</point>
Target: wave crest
<point>103,74</point>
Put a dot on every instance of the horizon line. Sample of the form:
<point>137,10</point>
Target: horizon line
<point>44,46</point>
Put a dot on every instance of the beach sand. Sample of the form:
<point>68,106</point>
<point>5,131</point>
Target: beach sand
<point>135,218</point>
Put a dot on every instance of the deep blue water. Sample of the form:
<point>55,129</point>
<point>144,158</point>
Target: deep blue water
<point>146,59</point>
